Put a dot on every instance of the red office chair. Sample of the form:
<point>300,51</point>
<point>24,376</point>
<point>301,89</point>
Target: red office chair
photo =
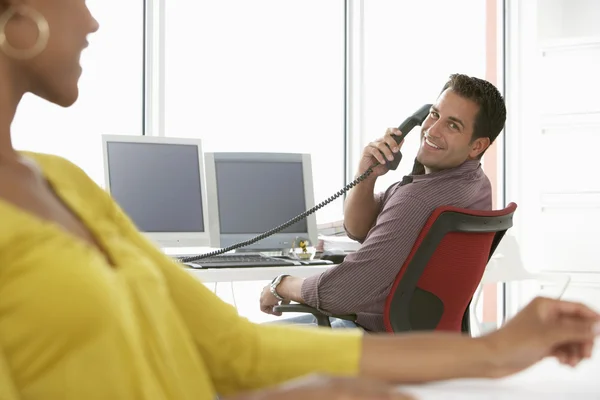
<point>436,283</point>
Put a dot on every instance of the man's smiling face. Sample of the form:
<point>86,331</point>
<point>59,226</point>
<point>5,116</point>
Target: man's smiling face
<point>447,132</point>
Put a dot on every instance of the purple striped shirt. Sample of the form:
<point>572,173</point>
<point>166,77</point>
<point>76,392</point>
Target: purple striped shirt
<point>360,284</point>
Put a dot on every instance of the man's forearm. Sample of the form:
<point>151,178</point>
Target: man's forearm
<point>290,288</point>
<point>425,357</point>
<point>360,209</point>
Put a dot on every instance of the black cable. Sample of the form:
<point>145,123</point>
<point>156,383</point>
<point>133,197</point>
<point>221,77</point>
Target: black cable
<point>279,228</point>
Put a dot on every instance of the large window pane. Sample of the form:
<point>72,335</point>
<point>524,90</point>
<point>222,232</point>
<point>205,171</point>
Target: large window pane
<point>263,75</point>
<point>410,50</point>
<point>111,93</point>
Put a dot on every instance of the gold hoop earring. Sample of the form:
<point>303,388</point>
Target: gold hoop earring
<point>43,34</point>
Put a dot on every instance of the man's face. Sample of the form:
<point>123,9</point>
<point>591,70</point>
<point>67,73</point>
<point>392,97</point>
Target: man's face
<point>446,133</point>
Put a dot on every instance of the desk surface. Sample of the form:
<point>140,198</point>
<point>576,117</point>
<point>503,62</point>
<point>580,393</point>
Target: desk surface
<point>547,380</point>
<point>243,274</point>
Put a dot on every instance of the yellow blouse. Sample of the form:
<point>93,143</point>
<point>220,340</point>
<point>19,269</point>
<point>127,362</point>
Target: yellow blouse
<point>73,327</point>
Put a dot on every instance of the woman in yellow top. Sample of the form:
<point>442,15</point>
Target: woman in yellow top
<point>90,310</point>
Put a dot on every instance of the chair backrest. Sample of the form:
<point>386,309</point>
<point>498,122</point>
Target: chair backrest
<point>437,281</point>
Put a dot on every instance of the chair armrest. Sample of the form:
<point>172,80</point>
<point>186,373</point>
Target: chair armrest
<point>300,308</point>
<point>322,319</point>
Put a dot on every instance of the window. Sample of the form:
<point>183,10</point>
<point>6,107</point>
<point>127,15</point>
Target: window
<point>260,76</point>
<point>111,93</point>
<point>410,49</point>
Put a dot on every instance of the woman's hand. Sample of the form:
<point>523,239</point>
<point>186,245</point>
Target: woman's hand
<point>545,328</point>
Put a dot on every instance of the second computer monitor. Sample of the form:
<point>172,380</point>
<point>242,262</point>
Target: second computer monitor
<point>251,193</point>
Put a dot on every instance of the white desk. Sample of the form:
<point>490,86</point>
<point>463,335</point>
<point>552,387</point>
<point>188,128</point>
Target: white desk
<point>210,275</point>
<point>547,380</point>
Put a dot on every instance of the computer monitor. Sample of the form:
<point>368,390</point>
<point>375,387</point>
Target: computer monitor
<point>159,182</point>
<point>251,193</point>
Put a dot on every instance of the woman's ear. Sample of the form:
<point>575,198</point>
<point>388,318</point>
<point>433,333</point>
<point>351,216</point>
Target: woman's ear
<point>18,40</point>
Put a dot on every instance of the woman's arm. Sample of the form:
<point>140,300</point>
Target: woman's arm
<point>544,328</point>
<point>424,357</point>
<point>8,391</point>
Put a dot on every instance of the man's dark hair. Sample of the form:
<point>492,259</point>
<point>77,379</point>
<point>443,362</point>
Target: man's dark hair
<point>491,117</point>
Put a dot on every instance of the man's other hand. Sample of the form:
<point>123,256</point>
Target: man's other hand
<point>268,301</point>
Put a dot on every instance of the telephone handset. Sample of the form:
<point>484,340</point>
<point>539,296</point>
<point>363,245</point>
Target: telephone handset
<point>414,120</point>
<point>409,123</point>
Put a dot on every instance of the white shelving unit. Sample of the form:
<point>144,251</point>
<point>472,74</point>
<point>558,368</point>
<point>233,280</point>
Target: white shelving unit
<point>553,133</point>
<point>570,43</point>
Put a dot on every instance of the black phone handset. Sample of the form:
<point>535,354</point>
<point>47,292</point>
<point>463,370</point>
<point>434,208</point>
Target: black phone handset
<point>414,120</point>
<point>409,123</point>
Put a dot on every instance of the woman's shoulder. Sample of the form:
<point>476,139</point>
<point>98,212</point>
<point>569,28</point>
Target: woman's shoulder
<point>53,163</point>
<point>62,173</point>
<point>69,181</point>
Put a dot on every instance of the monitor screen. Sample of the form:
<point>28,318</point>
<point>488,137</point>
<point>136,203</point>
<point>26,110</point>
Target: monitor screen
<point>256,192</point>
<point>255,196</point>
<point>157,184</point>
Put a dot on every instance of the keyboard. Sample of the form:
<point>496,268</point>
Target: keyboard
<point>241,261</point>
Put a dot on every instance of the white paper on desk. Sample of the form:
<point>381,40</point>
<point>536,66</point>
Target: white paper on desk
<point>339,243</point>
<point>548,380</point>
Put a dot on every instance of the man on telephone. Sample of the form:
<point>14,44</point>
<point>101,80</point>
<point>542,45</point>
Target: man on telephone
<point>464,121</point>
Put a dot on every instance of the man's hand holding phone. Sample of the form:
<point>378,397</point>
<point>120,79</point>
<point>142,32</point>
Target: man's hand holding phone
<point>379,152</point>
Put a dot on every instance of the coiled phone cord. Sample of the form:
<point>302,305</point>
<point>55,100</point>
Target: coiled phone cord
<point>281,227</point>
